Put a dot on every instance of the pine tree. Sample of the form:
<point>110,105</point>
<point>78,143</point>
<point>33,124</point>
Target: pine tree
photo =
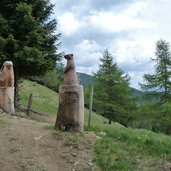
<point>27,36</point>
<point>159,83</point>
<point>111,91</point>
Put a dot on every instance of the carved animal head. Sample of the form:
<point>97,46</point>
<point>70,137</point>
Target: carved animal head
<point>7,75</point>
<point>8,65</point>
<point>68,56</point>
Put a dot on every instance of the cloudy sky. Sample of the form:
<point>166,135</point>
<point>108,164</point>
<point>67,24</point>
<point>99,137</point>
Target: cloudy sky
<point>127,28</point>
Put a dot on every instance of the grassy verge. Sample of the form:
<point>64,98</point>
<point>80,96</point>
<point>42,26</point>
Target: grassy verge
<point>130,149</point>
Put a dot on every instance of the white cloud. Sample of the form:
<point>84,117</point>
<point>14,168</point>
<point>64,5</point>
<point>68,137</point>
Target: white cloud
<point>129,31</point>
<point>134,51</point>
<point>68,24</point>
<point>136,8</point>
<point>87,45</point>
<point>116,23</point>
<point>136,77</point>
<point>87,53</point>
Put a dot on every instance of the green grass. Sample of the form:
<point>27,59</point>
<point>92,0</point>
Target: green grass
<point>45,100</point>
<point>2,121</point>
<point>67,137</point>
<point>121,149</point>
<point>131,149</point>
<point>13,150</point>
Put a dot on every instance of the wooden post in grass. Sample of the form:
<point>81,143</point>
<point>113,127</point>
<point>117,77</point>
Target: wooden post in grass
<point>90,105</point>
<point>29,104</point>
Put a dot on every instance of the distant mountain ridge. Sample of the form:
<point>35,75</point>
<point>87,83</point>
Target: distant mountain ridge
<point>85,79</point>
<point>141,97</point>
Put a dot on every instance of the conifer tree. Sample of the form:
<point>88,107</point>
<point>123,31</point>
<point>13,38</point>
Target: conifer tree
<point>28,37</point>
<point>111,91</point>
<point>159,83</point>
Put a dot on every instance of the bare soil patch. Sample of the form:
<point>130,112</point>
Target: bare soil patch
<point>28,145</point>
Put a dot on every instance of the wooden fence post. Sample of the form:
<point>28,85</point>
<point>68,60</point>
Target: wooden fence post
<point>90,105</point>
<point>29,104</point>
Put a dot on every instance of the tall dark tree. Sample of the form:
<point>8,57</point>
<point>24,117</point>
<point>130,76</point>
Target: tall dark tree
<point>28,37</point>
<point>111,91</point>
<point>159,83</point>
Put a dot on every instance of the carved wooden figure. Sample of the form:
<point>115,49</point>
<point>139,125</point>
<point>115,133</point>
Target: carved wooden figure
<point>71,100</point>
<point>70,76</point>
<point>7,87</point>
<point>7,75</point>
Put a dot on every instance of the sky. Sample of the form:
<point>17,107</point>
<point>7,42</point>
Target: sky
<point>129,30</point>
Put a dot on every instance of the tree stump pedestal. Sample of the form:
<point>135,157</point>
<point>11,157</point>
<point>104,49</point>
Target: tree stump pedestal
<point>71,108</point>
<point>7,99</point>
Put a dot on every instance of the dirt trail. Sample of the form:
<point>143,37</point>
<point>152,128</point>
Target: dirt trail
<point>28,145</point>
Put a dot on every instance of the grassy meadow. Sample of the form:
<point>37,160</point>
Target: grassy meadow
<point>117,147</point>
<point>46,101</point>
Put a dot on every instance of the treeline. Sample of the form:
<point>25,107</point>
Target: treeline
<point>113,97</point>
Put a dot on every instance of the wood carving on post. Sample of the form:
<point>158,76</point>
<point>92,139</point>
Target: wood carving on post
<point>70,76</point>
<point>7,87</point>
<point>70,115</point>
